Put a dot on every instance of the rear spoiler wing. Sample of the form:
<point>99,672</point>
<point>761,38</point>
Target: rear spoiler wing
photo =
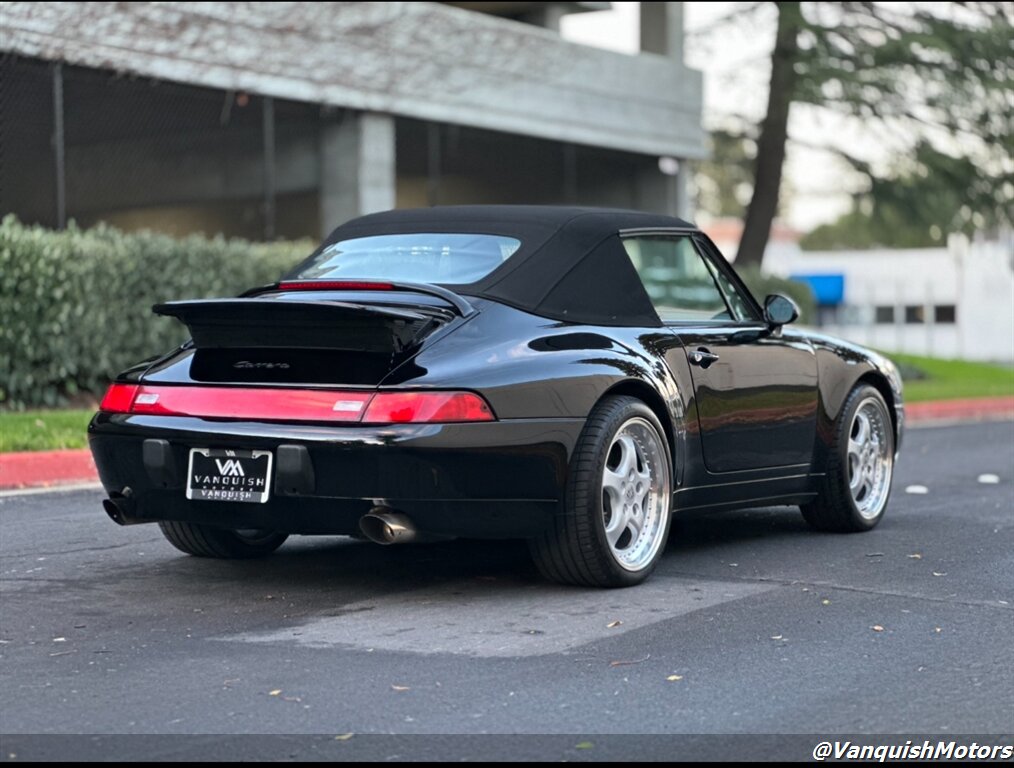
<point>261,323</point>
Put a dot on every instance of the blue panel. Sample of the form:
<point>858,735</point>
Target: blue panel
<point>828,289</point>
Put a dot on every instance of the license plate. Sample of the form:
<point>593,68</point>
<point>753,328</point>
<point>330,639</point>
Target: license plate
<point>229,475</point>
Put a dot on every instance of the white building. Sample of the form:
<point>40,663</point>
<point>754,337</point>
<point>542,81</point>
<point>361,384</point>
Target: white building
<point>955,302</point>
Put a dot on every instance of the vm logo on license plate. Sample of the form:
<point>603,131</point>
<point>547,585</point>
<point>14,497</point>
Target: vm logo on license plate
<point>229,475</point>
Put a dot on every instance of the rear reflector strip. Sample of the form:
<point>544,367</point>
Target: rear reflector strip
<point>271,404</point>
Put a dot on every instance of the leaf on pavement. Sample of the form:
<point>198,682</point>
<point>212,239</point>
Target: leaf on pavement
<point>276,692</point>
<point>877,628</point>
<point>674,678</point>
<point>623,663</point>
<point>825,601</point>
<point>344,736</point>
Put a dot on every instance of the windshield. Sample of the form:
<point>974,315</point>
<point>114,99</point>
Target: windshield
<point>418,258</point>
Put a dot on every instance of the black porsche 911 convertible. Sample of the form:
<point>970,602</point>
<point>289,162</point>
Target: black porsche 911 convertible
<point>570,376</point>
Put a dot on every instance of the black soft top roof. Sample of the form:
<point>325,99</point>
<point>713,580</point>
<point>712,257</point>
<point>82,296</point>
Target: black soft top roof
<point>571,264</point>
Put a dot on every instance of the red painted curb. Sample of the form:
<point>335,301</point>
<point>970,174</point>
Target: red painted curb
<point>30,469</point>
<point>975,409</point>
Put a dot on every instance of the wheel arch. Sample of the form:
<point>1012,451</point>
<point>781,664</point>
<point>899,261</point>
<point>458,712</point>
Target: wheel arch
<point>880,383</point>
<point>648,395</point>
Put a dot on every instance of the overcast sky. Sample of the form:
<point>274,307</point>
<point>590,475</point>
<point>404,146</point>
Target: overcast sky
<point>735,70</point>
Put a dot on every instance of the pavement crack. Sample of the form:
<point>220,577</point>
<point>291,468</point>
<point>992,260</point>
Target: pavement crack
<point>76,551</point>
<point>848,588</point>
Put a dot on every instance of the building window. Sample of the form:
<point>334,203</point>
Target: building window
<point>915,314</point>
<point>850,314</point>
<point>827,314</point>
<point>945,313</point>
<point>884,315</point>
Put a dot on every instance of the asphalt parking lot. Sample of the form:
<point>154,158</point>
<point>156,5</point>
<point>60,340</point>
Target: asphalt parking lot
<point>752,624</point>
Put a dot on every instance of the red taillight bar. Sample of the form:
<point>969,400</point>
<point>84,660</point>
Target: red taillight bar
<point>320,405</point>
<point>119,398</point>
<point>334,285</point>
<point>426,408</point>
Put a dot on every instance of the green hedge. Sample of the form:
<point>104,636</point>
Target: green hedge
<point>75,305</point>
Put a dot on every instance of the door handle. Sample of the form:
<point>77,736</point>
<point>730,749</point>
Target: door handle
<point>703,357</point>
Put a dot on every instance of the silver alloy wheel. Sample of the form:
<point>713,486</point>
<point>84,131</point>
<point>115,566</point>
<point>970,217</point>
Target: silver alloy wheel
<point>870,463</point>
<point>635,494</point>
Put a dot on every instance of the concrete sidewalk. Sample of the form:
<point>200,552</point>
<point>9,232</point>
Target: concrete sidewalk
<point>41,469</point>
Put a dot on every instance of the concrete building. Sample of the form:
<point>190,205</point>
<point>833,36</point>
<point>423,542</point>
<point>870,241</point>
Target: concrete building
<point>272,120</point>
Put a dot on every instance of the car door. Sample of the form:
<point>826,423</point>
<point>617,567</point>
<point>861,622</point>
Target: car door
<point>755,390</point>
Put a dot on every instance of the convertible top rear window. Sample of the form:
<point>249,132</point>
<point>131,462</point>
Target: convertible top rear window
<point>438,257</point>
<point>565,263</point>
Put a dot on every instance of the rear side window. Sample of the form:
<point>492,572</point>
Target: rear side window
<point>679,282</point>
<point>452,258</point>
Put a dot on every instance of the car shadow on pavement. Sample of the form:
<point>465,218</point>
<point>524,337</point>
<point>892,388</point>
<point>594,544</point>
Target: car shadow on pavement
<point>346,565</point>
<point>698,530</point>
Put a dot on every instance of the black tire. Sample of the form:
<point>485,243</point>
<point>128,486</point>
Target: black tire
<point>834,509</point>
<point>205,541</point>
<point>575,550</point>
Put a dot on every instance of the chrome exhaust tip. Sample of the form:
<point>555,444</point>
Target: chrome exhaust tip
<point>385,526</point>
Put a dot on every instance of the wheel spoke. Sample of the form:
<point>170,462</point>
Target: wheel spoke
<point>617,524</point>
<point>642,479</point>
<point>865,487</point>
<point>862,430</point>
<point>855,452</point>
<point>628,456</point>
<point>635,523</point>
<point>856,479</point>
<point>612,483</point>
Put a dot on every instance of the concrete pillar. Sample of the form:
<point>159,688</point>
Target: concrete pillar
<point>654,192</point>
<point>546,15</point>
<point>658,191</point>
<point>662,29</point>
<point>684,205</point>
<point>357,170</point>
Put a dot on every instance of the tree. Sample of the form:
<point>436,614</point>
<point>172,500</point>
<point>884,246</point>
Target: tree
<point>724,179</point>
<point>934,75</point>
<point>927,196</point>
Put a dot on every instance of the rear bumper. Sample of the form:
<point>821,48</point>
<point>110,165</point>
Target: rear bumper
<point>494,479</point>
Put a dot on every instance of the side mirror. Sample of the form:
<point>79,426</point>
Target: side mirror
<point>780,310</point>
